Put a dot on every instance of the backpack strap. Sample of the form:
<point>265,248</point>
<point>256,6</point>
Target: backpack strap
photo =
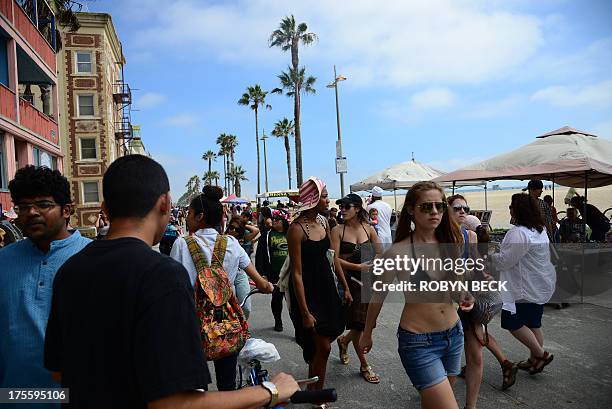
<point>218,253</point>
<point>197,255</point>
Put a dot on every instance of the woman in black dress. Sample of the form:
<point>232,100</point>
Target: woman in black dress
<point>316,307</point>
<point>356,242</point>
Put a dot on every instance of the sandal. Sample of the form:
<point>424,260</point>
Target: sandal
<point>509,371</point>
<point>344,358</point>
<point>525,365</point>
<point>540,363</point>
<point>368,374</point>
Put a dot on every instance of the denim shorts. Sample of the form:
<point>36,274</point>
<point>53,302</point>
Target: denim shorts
<point>430,357</point>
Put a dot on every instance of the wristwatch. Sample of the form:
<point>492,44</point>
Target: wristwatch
<point>270,387</point>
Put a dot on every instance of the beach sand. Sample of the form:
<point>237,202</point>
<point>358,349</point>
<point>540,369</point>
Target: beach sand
<point>499,200</point>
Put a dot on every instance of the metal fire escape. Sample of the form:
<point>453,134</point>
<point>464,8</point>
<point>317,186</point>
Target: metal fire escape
<point>122,97</point>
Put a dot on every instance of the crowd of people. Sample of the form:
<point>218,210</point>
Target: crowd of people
<point>122,325</point>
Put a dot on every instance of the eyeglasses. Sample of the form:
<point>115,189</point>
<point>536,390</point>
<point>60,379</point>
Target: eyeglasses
<point>458,208</point>
<point>428,207</point>
<point>42,207</point>
<point>346,206</point>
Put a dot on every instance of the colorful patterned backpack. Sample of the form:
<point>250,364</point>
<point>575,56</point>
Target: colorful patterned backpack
<point>223,327</point>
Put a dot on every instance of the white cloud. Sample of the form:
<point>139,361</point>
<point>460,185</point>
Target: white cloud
<point>568,95</point>
<point>181,120</point>
<point>402,43</point>
<point>432,98</point>
<point>150,99</point>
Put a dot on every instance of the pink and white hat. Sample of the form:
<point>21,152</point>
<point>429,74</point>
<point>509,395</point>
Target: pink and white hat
<point>310,193</point>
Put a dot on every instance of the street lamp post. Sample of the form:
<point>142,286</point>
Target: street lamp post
<point>263,138</point>
<point>338,78</point>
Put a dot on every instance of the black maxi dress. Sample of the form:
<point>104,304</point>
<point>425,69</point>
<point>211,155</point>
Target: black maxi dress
<point>321,294</point>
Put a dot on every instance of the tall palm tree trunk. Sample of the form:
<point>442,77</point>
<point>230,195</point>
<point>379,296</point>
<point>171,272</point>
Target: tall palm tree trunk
<point>298,139</point>
<point>225,176</point>
<point>209,165</point>
<point>257,144</point>
<point>288,150</point>
<point>233,165</point>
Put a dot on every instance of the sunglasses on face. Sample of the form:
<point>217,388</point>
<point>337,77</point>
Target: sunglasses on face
<point>232,227</point>
<point>458,208</point>
<point>428,207</point>
<point>346,206</point>
<point>42,207</point>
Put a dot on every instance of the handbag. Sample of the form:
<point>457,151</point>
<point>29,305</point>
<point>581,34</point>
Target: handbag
<point>487,304</point>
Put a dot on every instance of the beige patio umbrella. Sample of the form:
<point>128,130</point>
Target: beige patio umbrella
<point>566,156</point>
<point>401,176</point>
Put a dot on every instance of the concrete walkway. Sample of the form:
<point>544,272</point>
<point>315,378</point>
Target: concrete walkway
<point>580,376</point>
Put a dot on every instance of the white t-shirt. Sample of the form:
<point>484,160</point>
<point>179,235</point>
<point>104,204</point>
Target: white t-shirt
<point>524,262</point>
<point>384,220</point>
<point>235,256</point>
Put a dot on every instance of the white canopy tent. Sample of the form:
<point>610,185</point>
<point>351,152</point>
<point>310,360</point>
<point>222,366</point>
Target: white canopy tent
<point>403,176</point>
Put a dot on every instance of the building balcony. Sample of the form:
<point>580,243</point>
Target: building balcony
<point>39,123</point>
<point>7,103</point>
<point>35,21</point>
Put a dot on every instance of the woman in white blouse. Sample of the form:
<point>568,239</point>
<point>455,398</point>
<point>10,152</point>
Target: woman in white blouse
<point>524,263</point>
<point>205,212</point>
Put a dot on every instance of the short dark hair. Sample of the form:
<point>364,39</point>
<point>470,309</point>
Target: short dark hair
<point>208,202</point>
<point>32,181</point>
<point>526,210</point>
<point>132,185</point>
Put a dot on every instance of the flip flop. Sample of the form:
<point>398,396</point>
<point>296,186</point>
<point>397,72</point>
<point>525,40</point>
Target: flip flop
<point>368,374</point>
<point>344,358</point>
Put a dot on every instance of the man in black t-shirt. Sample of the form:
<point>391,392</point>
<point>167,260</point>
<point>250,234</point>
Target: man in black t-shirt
<point>123,331</point>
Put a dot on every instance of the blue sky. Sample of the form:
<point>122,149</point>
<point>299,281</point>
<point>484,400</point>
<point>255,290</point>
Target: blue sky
<point>454,82</point>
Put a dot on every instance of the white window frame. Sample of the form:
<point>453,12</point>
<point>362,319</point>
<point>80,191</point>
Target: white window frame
<point>81,148</point>
<point>93,103</point>
<point>76,62</point>
<point>97,182</point>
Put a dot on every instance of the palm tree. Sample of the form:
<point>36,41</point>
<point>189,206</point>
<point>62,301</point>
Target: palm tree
<point>238,175</point>
<point>210,176</point>
<point>222,142</point>
<point>294,83</point>
<point>282,129</point>
<point>231,144</point>
<point>254,98</point>
<point>209,156</point>
<point>288,36</point>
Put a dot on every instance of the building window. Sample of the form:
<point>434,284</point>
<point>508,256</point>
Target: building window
<point>36,156</point>
<point>86,105</point>
<point>2,164</point>
<point>83,62</point>
<point>88,148</point>
<point>90,192</point>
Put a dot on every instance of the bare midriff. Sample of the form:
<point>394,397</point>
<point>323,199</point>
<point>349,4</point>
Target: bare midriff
<point>423,318</point>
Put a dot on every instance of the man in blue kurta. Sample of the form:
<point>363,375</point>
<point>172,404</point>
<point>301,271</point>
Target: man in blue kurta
<point>42,201</point>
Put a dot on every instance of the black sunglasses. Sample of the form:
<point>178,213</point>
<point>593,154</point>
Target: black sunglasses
<point>458,208</point>
<point>428,207</point>
<point>346,206</point>
<point>232,227</point>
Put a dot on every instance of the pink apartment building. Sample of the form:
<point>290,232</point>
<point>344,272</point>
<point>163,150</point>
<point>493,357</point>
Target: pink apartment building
<point>29,132</point>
